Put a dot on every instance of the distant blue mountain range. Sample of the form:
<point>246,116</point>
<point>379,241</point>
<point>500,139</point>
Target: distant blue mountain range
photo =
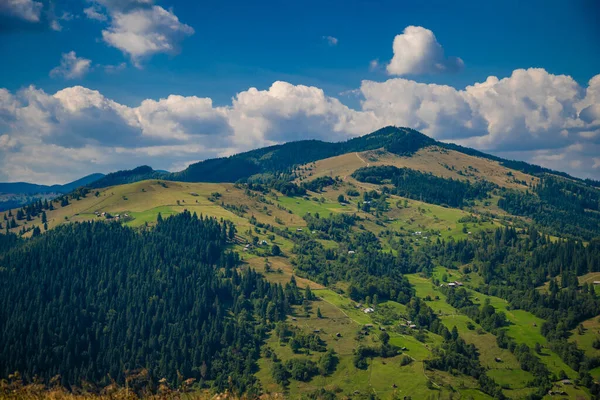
<point>25,188</point>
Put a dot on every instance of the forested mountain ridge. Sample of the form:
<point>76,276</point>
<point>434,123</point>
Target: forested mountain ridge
<point>126,176</point>
<point>281,159</point>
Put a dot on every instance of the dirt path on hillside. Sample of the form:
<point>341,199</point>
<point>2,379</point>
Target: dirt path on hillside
<point>361,159</point>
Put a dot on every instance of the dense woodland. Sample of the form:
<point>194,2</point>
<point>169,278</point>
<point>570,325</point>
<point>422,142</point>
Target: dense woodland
<point>91,301</point>
<point>425,187</point>
<point>564,207</point>
<point>360,262</point>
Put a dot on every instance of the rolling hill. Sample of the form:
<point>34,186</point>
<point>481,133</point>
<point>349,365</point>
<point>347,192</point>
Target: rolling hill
<point>425,270</point>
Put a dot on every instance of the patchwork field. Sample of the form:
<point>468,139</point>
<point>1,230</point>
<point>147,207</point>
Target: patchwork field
<point>387,378</point>
<point>506,372</point>
<point>524,328</point>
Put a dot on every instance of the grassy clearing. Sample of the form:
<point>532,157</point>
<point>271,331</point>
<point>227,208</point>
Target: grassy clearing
<point>144,200</point>
<point>432,219</point>
<point>301,206</point>
<point>525,328</point>
<point>591,332</point>
<point>345,305</point>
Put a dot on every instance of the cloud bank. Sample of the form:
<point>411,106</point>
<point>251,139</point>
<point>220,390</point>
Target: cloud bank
<point>531,115</point>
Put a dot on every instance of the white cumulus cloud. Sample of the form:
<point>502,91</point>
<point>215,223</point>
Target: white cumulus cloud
<point>417,51</point>
<point>287,112</point>
<point>141,32</point>
<point>71,66</point>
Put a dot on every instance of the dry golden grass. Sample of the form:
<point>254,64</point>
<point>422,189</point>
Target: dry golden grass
<point>438,161</point>
<point>137,389</point>
<point>143,200</point>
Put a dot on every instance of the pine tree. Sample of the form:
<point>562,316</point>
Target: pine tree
<point>308,295</point>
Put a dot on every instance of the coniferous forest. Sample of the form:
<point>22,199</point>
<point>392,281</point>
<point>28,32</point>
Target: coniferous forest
<point>91,301</point>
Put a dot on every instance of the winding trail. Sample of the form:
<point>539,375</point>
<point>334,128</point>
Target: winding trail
<point>361,159</point>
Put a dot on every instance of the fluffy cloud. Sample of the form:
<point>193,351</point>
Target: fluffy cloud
<point>71,66</point>
<point>53,138</point>
<point>531,109</point>
<point>531,115</point>
<point>436,110</point>
<point>287,112</point>
<point>140,29</point>
<point>27,10</point>
<point>417,51</point>
<point>183,118</point>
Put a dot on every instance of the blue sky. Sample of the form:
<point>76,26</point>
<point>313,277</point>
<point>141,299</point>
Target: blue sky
<point>342,50</point>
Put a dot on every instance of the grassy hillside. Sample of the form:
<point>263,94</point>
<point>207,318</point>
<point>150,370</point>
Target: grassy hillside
<point>434,159</point>
<point>273,228</point>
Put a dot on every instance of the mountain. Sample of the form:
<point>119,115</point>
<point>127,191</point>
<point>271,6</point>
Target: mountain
<point>32,188</point>
<point>86,180</point>
<point>127,176</point>
<point>16,194</point>
<point>389,264</point>
<point>281,158</point>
